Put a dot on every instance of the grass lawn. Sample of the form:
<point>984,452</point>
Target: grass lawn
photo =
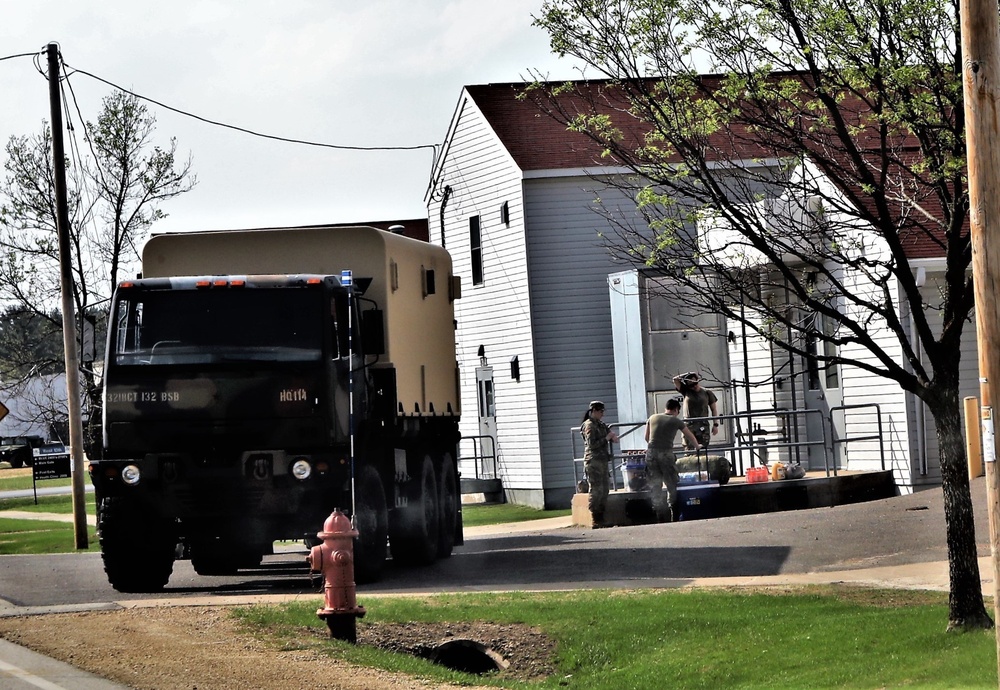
<point>492,514</point>
<point>817,637</point>
<point>40,536</point>
<point>15,480</point>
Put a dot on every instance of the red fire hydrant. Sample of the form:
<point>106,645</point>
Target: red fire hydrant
<point>335,559</point>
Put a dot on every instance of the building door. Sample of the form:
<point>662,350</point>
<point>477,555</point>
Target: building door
<point>823,394</point>
<point>486,466</point>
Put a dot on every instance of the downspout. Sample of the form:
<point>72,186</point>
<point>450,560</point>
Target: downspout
<point>794,431</point>
<point>444,202</point>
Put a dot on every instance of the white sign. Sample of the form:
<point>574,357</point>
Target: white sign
<point>989,443</point>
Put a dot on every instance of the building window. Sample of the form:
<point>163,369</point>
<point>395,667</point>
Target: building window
<point>476,246</point>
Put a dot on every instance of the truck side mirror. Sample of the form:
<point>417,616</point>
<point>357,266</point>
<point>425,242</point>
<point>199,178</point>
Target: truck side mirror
<point>372,332</point>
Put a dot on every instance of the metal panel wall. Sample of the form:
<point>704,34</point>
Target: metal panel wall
<point>571,312</point>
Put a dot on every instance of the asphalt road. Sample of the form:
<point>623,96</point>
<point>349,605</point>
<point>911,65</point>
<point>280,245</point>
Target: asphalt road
<point>892,532</point>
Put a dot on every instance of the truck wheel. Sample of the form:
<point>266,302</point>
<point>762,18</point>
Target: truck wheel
<point>136,547</point>
<point>16,462</point>
<point>373,527</point>
<point>448,501</point>
<point>414,535</point>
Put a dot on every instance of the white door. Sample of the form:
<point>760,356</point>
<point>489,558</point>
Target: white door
<point>823,394</point>
<point>486,446</point>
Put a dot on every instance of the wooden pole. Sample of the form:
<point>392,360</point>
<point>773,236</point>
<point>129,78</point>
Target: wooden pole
<point>68,310</point>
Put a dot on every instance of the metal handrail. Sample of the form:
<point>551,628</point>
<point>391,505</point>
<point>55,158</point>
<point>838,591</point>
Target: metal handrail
<point>477,443</point>
<point>751,444</point>
<point>870,437</point>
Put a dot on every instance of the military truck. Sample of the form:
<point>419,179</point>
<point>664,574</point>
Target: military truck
<point>255,380</point>
<point>19,450</point>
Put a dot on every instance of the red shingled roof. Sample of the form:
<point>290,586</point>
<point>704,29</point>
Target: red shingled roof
<point>537,141</point>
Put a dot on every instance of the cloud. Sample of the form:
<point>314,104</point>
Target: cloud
<point>375,72</point>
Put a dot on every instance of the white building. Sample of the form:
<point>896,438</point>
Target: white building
<point>513,198</point>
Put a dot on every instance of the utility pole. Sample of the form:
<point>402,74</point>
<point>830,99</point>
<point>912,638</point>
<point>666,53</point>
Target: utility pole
<point>68,310</point>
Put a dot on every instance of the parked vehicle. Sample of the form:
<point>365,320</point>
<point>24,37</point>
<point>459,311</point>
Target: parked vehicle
<point>255,380</point>
<point>18,450</point>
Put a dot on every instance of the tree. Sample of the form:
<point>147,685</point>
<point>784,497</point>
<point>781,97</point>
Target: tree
<point>827,149</point>
<point>114,198</point>
<point>30,344</point>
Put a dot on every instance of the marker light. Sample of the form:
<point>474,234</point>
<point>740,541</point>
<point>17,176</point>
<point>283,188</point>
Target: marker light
<point>301,469</point>
<point>130,475</point>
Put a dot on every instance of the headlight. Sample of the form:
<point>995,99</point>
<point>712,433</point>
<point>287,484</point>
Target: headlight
<point>130,475</point>
<point>301,469</point>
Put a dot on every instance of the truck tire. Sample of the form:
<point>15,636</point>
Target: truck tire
<point>414,535</point>
<point>448,502</point>
<point>373,526</point>
<point>136,547</point>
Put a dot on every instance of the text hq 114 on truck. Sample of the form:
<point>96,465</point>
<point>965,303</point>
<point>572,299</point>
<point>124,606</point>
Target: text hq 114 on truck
<point>251,388</point>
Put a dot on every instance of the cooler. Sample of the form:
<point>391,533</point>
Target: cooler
<point>697,501</point>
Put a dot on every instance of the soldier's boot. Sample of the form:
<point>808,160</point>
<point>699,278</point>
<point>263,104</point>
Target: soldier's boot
<point>665,514</point>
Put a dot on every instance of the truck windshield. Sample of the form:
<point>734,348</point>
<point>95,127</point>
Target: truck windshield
<point>155,327</point>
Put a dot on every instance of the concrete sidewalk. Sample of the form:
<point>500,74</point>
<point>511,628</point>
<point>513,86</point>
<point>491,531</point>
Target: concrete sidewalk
<point>51,517</point>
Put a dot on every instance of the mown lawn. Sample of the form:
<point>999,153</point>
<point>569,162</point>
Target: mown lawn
<point>816,637</point>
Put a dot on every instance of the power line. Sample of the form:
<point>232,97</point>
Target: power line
<point>248,131</point>
<point>18,55</point>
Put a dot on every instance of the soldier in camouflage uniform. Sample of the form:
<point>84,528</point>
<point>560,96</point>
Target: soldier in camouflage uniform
<point>597,439</point>
<point>661,462</point>
<point>700,407</point>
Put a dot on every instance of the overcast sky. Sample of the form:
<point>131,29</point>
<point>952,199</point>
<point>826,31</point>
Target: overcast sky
<point>358,73</point>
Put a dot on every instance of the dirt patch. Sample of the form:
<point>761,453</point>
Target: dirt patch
<point>183,648</point>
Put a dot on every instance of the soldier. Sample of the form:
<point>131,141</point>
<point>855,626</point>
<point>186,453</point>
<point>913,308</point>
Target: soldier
<point>597,440</point>
<point>661,463</point>
<point>700,406</point>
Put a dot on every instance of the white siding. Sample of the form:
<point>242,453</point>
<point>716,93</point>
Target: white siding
<point>496,313</point>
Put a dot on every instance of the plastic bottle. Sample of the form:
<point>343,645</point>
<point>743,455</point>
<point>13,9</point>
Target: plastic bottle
<point>777,471</point>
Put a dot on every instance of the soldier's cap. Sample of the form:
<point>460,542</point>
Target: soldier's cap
<point>597,405</point>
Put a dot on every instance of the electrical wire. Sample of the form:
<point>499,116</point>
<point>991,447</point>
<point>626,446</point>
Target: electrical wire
<point>18,55</point>
<point>249,131</point>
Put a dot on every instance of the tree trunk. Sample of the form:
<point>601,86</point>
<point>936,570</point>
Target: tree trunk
<point>965,599</point>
